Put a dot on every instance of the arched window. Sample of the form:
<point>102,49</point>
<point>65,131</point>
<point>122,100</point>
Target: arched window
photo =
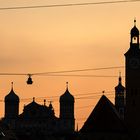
<point>135,40</point>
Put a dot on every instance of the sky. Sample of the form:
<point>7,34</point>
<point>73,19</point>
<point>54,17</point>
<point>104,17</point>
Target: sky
<point>59,39</point>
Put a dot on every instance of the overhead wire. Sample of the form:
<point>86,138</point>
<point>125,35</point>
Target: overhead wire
<point>79,70</point>
<point>65,71</point>
<point>83,75</point>
<point>89,97</point>
<point>67,5</point>
<point>82,96</point>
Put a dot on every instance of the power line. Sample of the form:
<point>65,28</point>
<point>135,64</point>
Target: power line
<point>67,5</point>
<point>108,76</point>
<point>95,93</point>
<point>79,70</point>
<point>65,71</point>
<point>77,96</point>
<point>91,97</point>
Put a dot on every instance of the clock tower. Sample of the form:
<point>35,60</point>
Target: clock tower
<point>132,74</point>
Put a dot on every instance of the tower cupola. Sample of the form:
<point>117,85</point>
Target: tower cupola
<point>67,110</point>
<point>67,96</point>
<point>119,88</point>
<point>120,97</point>
<point>11,96</point>
<point>11,104</point>
<point>134,34</point>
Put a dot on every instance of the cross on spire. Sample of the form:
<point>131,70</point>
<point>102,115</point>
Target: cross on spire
<point>134,21</point>
<point>12,85</point>
<point>67,84</point>
<point>120,79</point>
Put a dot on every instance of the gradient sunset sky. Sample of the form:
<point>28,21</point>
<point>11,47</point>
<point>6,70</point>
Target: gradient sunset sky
<point>63,38</point>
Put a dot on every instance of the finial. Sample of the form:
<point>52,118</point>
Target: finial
<point>12,85</point>
<point>44,102</point>
<point>103,92</point>
<point>33,99</point>
<point>134,21</point>
<point>50,105</point>
<point>120,79</point>
<point>67,84</point>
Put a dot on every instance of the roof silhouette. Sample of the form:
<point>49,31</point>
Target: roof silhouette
<point>34,110</point>
<point>104,117</point>
<point>67,96</point>
<point>120,87</point>
<point>11,96</point>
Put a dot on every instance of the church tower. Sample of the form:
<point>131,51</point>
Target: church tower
<point>11,105</point>
<point>67,110</point>
<point>132,71</point>
<point>120,98</point>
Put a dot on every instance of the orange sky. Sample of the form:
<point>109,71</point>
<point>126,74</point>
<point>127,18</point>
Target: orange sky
<point>63,38</point>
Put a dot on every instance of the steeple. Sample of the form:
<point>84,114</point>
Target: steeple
<point>134,21</point>
<point>67,96</point>
<point>120,78</point>
<point>67,85</point>
<point>67,109</point>
<point>12,96</point>
<point>33,99</point>
<point>11,104</point>
<point>44,102</point>
<point>134,35</point>
<point>12,85</point>
<point>132,81</point>
<point>119,88</point>
<point>120,97</point>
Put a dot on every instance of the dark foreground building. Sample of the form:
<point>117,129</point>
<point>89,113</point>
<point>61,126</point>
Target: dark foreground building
<point>6,133</point>
<point>122,120</point>
<point>106,122</point>
<point>38,122</point>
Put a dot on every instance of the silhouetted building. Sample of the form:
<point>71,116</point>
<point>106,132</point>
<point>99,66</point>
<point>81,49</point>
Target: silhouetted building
<point>107,121</point>
<point>6,133</point>
<point>11,105</point>
<point>67,110</point>
<point>122,120</point>
<point>104,123</point>
<point>120,98</point>
<point>39,121</point>
<point>132,57</point>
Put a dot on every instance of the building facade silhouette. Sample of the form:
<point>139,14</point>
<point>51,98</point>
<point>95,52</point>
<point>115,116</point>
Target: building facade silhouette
<point>107,121</point>
<point>132,70</point>
<point>37,121</point>
<point>119,121</point>
<point>120,98</point>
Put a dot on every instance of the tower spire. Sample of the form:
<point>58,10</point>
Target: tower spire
<point>44,102</point>
<point>33,99</point>
<point>134,21</point>
<point>120,78</point>
<point>67,85</point>
<point>12,84</point>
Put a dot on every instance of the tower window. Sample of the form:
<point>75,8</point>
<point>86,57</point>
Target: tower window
<point>135,40</point>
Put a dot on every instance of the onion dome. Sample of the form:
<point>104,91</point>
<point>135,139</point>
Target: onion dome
<point>11,96</point>
<point>134,30</point>
<point>120,87</point>
<point>67,96</point>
